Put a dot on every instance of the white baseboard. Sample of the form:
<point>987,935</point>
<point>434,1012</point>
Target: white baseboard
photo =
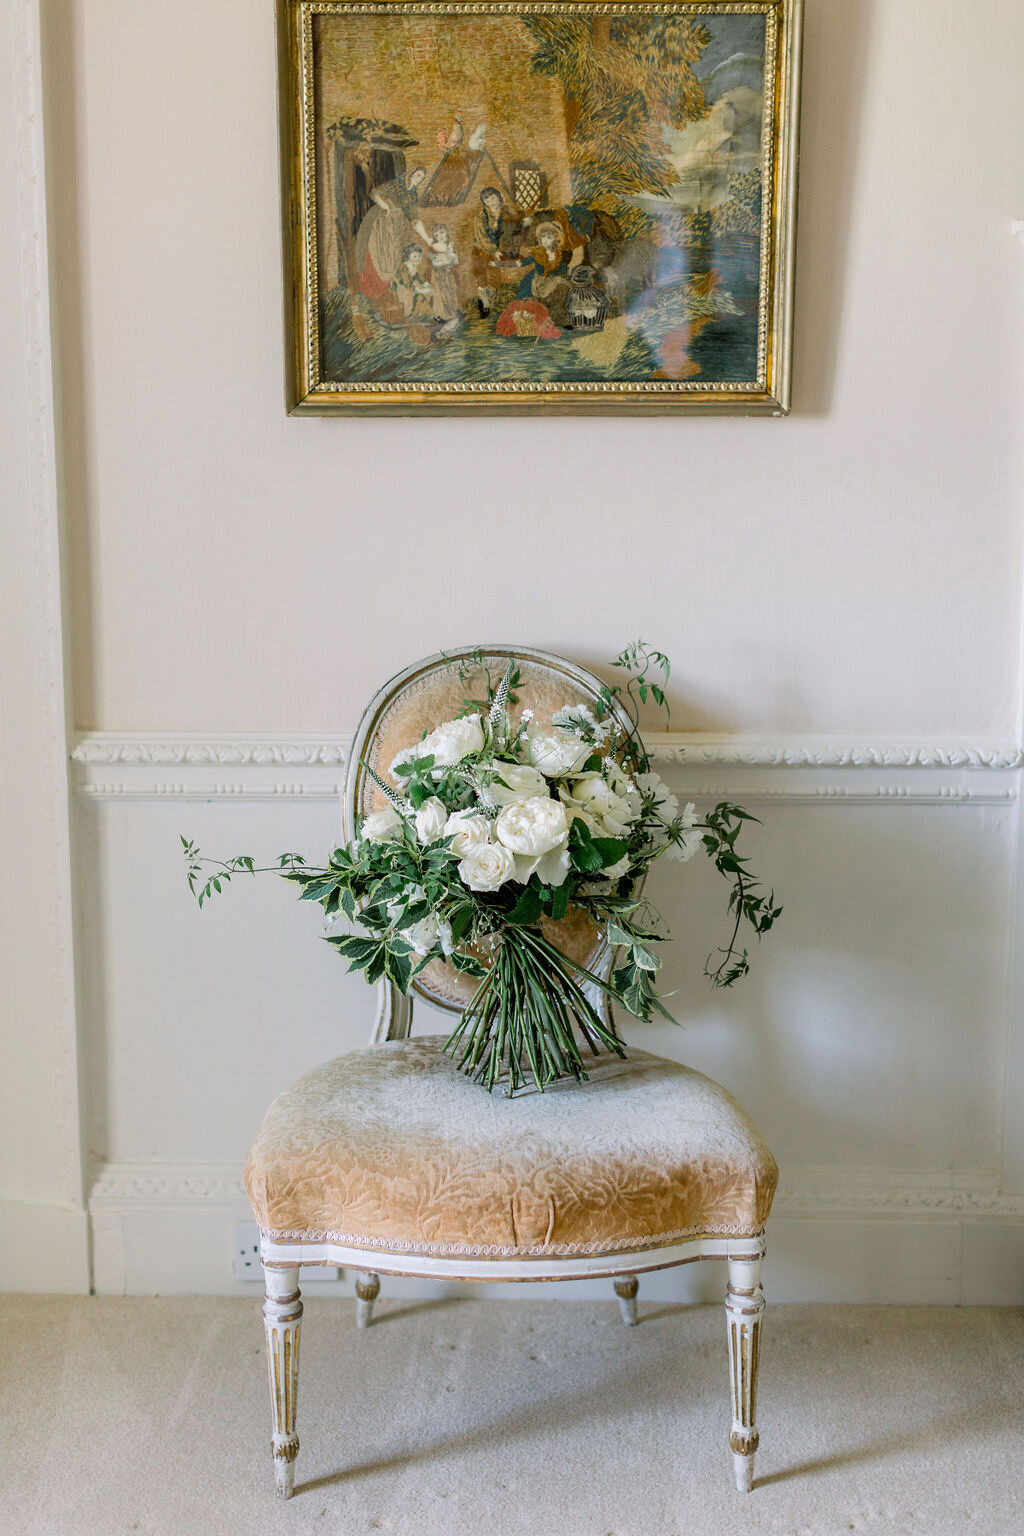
<point>43,1248</point>
<point>835,1236</point>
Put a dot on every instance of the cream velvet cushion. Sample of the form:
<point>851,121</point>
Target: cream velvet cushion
<point>394,1148</point>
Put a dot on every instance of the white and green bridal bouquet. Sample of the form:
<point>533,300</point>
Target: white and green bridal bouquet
<point>495,827</point>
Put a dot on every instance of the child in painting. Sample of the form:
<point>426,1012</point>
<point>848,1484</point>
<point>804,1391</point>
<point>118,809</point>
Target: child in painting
<point>411,288</point>
<point>443,261</point>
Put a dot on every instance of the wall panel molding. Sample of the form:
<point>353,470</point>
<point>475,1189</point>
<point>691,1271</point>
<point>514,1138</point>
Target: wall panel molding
<point>810,1192</point>
<point>679,748</point>
<point>983,771</point>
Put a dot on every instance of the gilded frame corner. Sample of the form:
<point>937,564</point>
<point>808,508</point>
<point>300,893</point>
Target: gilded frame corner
<point>308,392</point>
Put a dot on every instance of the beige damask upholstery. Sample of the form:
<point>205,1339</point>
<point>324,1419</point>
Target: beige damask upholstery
<point>393,1148</point>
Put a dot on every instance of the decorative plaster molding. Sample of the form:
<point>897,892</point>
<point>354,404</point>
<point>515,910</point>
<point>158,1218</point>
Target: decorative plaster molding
<point>133,1184</point>
<point>750,751</point>
<point>678,748</point>
<point>804,1193</point>
<point>102,749</point>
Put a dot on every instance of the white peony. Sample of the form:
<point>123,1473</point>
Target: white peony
<point>536,831</point>
<point>381,826</point>
<point>518,782</point>
<point>609,806</point>
<point>487,867</point>
<point>431,820</point>
<point>447,745</point>
<point>556,752</point>
<point>467,829</point>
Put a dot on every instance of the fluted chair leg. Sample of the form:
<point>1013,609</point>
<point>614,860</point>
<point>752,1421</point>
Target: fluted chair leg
<point>626,1287</point>
<point>367,1291</point>
<point>744,1306</point>
<point>282,1311</point>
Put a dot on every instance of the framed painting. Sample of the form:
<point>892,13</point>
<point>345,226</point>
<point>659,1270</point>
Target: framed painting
<point>569,205</point>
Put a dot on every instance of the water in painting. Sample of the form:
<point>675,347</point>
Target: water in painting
<point>537,197</point>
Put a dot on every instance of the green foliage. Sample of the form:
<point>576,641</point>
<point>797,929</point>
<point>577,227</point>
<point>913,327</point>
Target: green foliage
<point>626,81</point>
<point>408,904</point>
<point>723,826</point>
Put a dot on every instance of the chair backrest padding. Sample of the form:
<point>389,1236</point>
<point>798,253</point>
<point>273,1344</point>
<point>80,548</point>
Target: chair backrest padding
<point>422,697</point>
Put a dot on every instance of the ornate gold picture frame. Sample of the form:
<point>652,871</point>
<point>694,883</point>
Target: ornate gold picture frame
<point>569,205</point>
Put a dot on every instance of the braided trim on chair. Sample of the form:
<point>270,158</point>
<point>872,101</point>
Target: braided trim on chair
<point>488,1250</point>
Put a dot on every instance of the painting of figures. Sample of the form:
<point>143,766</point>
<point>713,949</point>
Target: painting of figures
<point>561,200</point>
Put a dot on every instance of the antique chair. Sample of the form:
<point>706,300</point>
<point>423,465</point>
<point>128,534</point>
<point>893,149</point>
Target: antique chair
<point>390,1161</point>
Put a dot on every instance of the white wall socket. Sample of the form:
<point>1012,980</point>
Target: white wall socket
<point>247,1259</point>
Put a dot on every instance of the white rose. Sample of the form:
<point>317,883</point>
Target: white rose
<point>609,806</point>
<point>536,831</point>
<point>556,753</point>
<point>467,830</point>
<point>447,745</point>
<point>431,820</point>
<point>518,782</point>
<point>487,867</point>
<point>616,871</point>
<point>381,826</point>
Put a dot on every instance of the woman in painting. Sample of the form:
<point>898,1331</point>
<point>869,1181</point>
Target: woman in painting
<point>558,250</point>
<point>386,231</point>
<point>495,232</point>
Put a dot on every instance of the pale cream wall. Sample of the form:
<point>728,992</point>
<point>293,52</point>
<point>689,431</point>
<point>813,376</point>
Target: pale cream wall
<point>855,568</point>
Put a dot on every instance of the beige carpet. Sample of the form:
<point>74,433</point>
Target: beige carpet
<point>493,1418</point>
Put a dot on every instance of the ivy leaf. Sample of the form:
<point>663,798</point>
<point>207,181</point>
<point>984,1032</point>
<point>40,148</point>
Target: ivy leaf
<point>530,904</point>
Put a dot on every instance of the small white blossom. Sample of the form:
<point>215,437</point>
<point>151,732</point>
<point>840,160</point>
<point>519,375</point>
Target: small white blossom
<point>658,797</point>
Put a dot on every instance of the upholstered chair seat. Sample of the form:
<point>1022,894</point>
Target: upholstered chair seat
<point>391,1161</point>
<point>394,1148</point>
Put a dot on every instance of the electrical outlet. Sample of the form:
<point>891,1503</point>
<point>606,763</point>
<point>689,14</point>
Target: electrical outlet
<point>247,1259</point>
<point>247,1251</point>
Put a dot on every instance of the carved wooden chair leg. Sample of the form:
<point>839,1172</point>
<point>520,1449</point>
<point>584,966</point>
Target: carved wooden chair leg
<point>626,1287</point>
<point>282,1310</point>
<point>744,1306</point>
<point>367,1291</point>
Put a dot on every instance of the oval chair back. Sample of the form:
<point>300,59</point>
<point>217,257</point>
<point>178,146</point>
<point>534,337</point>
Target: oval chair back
<point>413,703</point>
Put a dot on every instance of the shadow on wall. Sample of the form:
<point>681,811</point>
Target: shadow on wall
<point>835,68</point>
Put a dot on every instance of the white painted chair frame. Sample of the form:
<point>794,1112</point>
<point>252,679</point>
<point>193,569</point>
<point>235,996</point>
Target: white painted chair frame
<point>282,1309</point>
